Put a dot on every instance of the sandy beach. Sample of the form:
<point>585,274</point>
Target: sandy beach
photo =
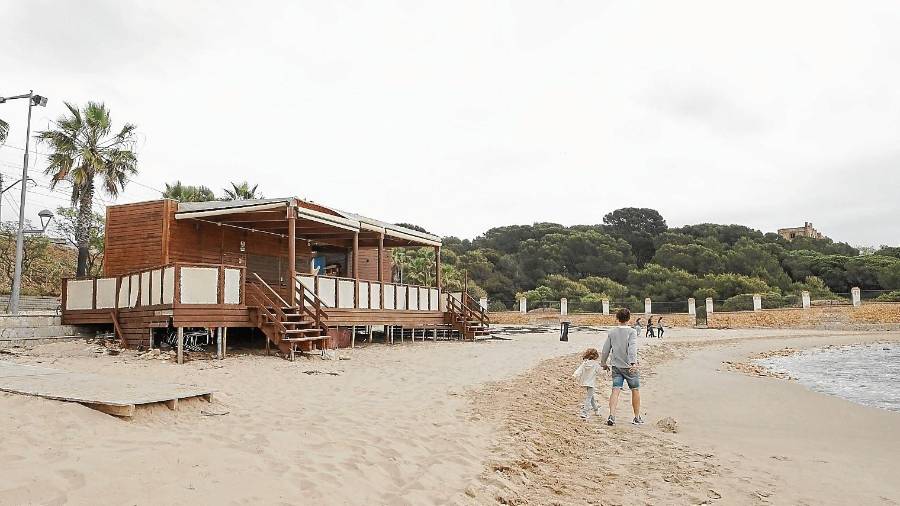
<point>458,423</point>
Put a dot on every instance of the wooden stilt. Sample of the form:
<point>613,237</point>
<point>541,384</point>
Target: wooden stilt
<point>369,330</point>
<point>151,338</point>
<point>224,342</point>
<point>180,345</point>
<point>353,337</point>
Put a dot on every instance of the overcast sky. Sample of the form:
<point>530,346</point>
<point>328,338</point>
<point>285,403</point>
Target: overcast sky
<point>461,116</point>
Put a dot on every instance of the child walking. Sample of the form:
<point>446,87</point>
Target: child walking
<point>621,346</point>
<point>586,376</point>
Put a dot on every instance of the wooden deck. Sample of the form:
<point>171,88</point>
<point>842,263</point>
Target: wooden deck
<point>112,396</point>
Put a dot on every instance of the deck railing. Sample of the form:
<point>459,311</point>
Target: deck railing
<point>348,293</point>
<point>176,284</point>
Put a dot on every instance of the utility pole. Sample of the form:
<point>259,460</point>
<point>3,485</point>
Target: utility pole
<point>20,237</point>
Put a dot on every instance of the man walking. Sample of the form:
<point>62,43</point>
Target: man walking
<point>621,343</point>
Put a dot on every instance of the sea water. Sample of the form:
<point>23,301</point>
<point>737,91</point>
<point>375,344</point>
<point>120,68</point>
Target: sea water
<point>867,374</point>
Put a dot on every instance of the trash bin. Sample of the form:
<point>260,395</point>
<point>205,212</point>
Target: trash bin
<point>564,331</point>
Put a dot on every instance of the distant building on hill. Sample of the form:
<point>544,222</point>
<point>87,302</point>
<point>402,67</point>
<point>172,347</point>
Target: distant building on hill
<point>806,230</point>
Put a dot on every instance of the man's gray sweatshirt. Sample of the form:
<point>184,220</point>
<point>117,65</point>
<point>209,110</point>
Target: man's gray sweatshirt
<point>621,342</point>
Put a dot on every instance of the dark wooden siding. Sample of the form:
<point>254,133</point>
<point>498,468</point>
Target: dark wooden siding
<point>134,237</point>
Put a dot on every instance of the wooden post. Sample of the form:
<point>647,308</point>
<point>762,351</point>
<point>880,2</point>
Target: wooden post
<point>225,341</point>
<point>355,269</point>
<point>437,267</point>
<point>292,256</point>
<point>381,270</point>
<point>180,345</point>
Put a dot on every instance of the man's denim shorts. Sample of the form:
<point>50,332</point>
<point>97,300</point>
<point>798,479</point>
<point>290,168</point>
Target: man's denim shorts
<point>620,376</point>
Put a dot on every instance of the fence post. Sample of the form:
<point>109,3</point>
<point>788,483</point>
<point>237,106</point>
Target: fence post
<point>523,305</point>
<point>709,305</point>
<point>483,303</point>
<point>563,306</point>
<point>605,303</point>
<point>647,306</point>
<point>757,302</point>
<point>805,296</point>
<point>692,307</point>
<point>855,296</point>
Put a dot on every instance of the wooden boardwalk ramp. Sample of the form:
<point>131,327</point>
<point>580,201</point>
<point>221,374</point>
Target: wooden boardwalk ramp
<point>115,396</point>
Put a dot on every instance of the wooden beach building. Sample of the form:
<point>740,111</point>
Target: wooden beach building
<point>301,273</point>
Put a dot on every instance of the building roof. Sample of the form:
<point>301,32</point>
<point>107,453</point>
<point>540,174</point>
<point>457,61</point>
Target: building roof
<point>307,210</point>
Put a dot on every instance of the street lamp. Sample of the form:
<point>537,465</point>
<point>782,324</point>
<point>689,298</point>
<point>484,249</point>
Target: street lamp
<point>46,216</point>
<point>33,100</point>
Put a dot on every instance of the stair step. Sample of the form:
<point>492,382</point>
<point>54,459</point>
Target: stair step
<point>304,339</point>
<point>303,323</point>
<point>302,331</point>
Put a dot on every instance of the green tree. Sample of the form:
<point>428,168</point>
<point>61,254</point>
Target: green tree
<point>188,193</point>
<point>693,258</point>
<point>724,286</point>
<point>242,191</point>
<point>599,285</point>
<point>84,151</point>
<point>65,224</point>
<point>660,283</point>
<point>637,226</point>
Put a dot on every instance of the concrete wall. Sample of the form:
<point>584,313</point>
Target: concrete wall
<point>887,313</point>
<point>36,329</point>
<point>552,317</point>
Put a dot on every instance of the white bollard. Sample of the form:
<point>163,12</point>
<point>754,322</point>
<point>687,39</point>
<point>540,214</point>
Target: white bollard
<point>483,303</point>
<point>563,306</point>
<point>647,306</point>
<point>805,296</point>
<point>709,305</point>
<point>605,303</point>
<point>692,307</point>
<point>523,305</point>
<point>757,302</point>
<point>855,296</point>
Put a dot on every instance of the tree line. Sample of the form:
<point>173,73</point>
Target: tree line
<point>634,254</point>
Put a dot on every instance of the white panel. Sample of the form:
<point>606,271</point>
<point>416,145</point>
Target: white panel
<point>423,299</point>
<point>434,303</point>
<point>327,289</point>
<point>145,288</point>
<point>346,293</point>
<point>309,282</point>
<point>401,296</point>
<point>376,295</point>
<point>232,286</point>
<point>363,295</point>
<point>133,293</point>
<point>168,291</point>
<point>80,294</point>
<point>123,292</point>
<point>199,285</point>
<point>106,293</point>
<point>156,283</point>
<point>412,301</point>
<point>389,296</point>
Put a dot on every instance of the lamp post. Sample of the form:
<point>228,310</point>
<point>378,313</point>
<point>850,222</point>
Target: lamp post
<point>33,100</point>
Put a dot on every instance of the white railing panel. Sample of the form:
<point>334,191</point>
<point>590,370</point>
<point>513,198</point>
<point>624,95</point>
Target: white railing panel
<point>423,299</point>
<point>412,301</point>
<point>375,288</point>
<point>401,296</point>
<point>133,291</point>
<point>145,288</point>
<point>327,290</point>
<point>363,295</point>
<point>389,294</point>
<point>308,282</point>
<point>199,285</point>
<point>80,294</point>
<point>345,293</point>
<point>232,286</point>
<point>434,300</point>
<point>123,293</point>
<point>168,287</point>
<point>106,293</point>
<point>156,286</point>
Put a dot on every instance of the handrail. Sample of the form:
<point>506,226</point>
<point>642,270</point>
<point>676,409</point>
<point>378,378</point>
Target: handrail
<point>263,304</point>
<point>306,289</point>
<point>273,292</point>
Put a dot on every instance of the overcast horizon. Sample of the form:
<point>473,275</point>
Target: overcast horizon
<point>463,116</point>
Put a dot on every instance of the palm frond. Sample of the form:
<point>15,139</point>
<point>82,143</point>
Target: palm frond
<point>4,131</point>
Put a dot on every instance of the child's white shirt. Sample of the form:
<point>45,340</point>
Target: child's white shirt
<point>587,372</point>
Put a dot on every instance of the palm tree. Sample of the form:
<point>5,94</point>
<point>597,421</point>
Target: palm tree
<point>85,152</point>
<point>241,191</point>
<point>4,130</point>
<point>188,193</point>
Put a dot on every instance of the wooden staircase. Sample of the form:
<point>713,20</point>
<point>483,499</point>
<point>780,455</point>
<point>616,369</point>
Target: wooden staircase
<point>290,328</point>
<point>468,317</point>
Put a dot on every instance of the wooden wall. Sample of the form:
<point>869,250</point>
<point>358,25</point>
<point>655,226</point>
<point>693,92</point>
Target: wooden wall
<point>368,264</point>
<point>134,236</point>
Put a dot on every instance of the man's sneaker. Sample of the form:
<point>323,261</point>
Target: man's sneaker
<point>598,412</point>
<point>611,420</point>
<point>638,421</point>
